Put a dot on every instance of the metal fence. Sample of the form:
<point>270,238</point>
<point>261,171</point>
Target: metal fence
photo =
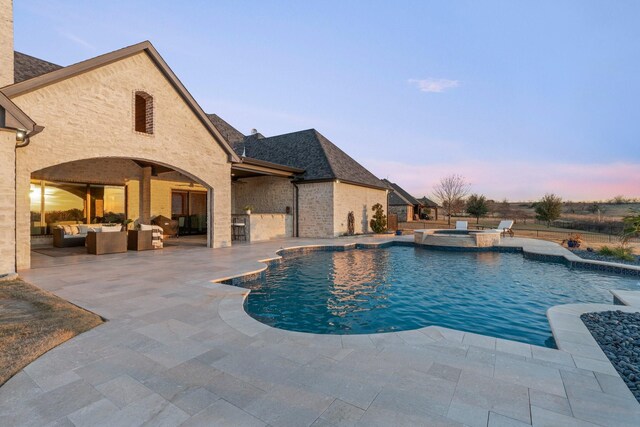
<point>592,237</point>
<point>563,235</point>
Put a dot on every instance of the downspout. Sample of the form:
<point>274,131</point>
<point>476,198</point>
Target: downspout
<point>297,230</point>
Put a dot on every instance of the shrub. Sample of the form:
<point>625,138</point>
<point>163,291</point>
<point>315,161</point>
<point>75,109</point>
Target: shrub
<point>619,252</point>
<point>379,221</point>
<point>549,208</point>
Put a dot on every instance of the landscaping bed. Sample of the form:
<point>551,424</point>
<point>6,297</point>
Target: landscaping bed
<point>598,257</point>
<point>32,322</point>
<point>618,334</point>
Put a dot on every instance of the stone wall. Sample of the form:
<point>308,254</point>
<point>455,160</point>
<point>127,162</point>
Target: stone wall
<point>315,210</point>
<point>267,194</point>
<point>91,115</point>
<point>269,226</point>
<point>358,199</point>
<point>7,203</point>
<point>6,42</point>
<point>402,212</point>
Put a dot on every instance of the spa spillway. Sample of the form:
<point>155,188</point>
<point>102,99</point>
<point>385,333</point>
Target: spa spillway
<point>457,238</point>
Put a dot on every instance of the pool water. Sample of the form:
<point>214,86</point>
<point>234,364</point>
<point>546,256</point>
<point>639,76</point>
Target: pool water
<point>401,288</point>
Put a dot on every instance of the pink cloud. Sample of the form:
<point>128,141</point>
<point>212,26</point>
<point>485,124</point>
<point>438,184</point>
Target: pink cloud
<point>517,180</point>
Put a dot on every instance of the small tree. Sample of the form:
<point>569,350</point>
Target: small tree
<point>477,206</point>
<point>549,208</point>
<point>451,191</point>
<point>379,221</point>
<point>631,227</point>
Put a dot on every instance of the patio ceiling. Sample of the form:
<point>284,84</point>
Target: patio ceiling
<point>252,167</point>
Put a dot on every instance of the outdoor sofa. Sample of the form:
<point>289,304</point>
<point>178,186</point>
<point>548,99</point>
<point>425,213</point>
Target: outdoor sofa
<point>69,235</point>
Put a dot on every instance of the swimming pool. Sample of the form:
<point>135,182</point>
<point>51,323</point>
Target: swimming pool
<point>401,288</point>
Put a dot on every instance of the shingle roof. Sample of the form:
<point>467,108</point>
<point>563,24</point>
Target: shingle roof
<point>230,133</point>
<point>26,67</point>
<point>399,196</point>
<point>311,151</point>
<point>424,201</point>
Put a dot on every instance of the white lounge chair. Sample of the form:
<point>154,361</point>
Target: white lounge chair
<point>461,225</point>
<point>505,227</point>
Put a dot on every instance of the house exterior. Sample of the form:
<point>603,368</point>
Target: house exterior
<point>428,204</point>
<point>119,137</point>
<point>331,183</point>
<point>401,203</point>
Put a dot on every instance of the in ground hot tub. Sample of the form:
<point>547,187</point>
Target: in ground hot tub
<point>457,238</point>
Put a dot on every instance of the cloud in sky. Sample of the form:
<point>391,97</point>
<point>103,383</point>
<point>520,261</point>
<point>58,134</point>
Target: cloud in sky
<point>434,85</point>
<point>519,181</point>
<point>77,40</point>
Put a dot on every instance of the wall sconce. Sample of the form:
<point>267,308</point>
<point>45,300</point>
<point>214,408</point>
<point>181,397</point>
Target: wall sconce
<point>21,136</point>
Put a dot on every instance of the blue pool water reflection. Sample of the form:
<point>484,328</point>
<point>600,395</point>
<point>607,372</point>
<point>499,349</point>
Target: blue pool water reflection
<point>401,288</point>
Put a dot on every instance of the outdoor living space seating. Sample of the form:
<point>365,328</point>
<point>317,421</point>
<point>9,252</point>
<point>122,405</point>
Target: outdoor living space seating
<point>70,235</point>
<point>461,225</point>
<point>505,227</point>
<point>146,238</point>
<point>107,241</point>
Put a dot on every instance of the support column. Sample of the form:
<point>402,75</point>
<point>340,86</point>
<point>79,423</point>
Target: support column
<point>209,218</point>
<point>7,205</point>
<point>145,195</point>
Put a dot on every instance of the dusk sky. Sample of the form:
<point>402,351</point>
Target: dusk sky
<point>521,98</point>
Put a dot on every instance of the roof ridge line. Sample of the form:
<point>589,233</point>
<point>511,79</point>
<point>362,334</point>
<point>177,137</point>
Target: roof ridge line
<point>316,135</point>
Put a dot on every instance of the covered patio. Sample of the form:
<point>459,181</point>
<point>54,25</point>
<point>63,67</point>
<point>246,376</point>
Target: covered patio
<point>69,198</point>
<point>263,201</point>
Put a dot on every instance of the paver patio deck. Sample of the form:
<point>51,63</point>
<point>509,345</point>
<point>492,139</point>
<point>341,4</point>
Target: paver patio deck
<point>179,349</point>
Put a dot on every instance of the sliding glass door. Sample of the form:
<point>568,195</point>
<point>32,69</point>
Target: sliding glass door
<point>189,208</point>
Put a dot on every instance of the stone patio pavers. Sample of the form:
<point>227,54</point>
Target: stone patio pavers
<point>179,349</point>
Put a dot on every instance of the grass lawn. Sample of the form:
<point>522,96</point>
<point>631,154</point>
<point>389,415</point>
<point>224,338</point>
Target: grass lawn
<point>32,322</point>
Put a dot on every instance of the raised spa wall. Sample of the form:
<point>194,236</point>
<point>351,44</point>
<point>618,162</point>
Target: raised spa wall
<point>454,238</point>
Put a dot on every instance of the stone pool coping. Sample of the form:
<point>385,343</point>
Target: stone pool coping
<point>570,333</point>
<point>535,249</point>
<point>573,336</point>
<point>630,298</point>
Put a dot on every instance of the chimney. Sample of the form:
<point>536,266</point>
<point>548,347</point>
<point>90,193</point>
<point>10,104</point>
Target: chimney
<point>254,131</point>
<point>6,42</point>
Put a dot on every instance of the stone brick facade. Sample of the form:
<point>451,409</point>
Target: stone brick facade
<point>7,204</point>
<point>267,194</point>
<point>6,42</point>
<point>347,197</point>
<point>324,207</point>
<point>403,212</point>
<point>315,210</point>
<point>90,115</point>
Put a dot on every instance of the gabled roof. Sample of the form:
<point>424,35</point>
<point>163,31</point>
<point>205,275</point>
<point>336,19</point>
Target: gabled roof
<point>13,117</point>
<point>64,73</point>
<point>398,196</point>
<point>26,67</point>
<point>230,133</point>
<point>311,151</point>
<point>424,201</point>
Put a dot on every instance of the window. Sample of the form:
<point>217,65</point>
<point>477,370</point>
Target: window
<point>143,111</point>
<point>71,203</point>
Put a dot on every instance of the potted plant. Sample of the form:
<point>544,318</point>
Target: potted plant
<point>248,209</point>
<point>574,240</point>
